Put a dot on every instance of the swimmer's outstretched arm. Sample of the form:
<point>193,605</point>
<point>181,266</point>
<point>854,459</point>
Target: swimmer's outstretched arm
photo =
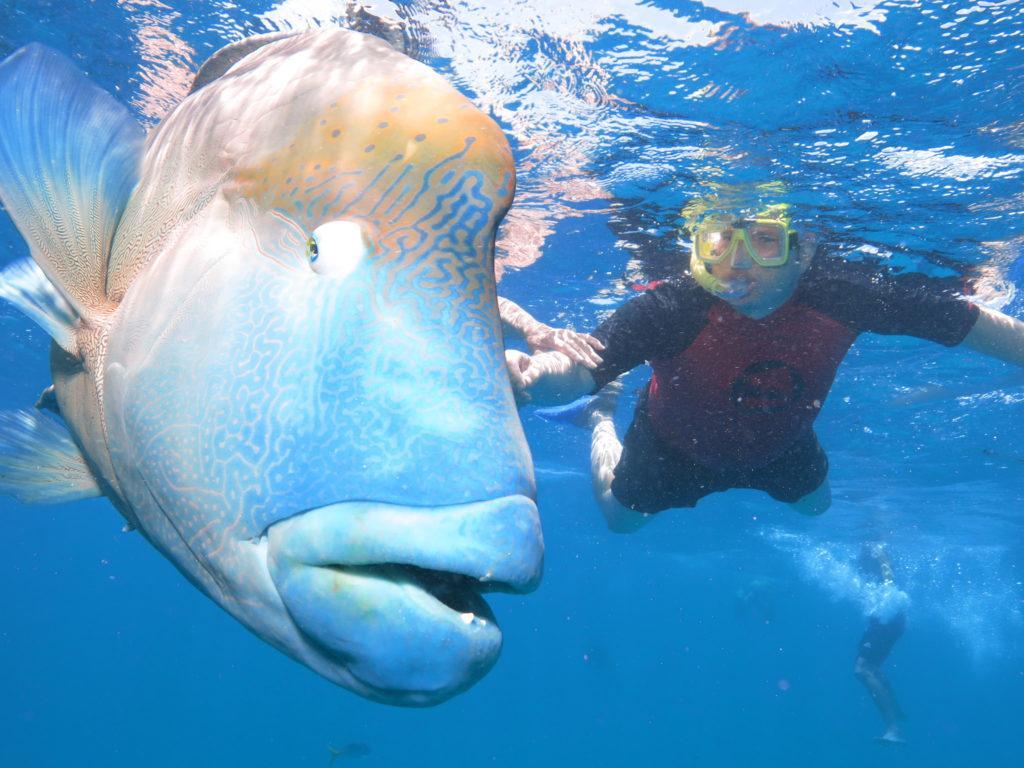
<point>997,335</point>
<point>515,320</point>
<point>579,347</point>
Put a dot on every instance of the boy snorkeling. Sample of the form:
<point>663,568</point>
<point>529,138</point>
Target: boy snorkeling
<point>744,350</point>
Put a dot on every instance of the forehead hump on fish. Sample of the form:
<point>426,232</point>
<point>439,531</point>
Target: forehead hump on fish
<point>357,131</point>
<point>394,360</point>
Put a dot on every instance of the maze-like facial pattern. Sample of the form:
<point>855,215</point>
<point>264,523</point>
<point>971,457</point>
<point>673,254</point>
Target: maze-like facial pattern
<point>245,388</point>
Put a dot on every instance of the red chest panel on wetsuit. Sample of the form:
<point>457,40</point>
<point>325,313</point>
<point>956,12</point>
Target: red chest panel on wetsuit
<point>745,390</point>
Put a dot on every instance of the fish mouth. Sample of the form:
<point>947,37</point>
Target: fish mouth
<point>389,598</point>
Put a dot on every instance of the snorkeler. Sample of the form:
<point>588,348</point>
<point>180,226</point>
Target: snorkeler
<point>885,627</point>
<point>744,349</point>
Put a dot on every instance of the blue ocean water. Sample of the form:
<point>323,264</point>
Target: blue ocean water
<point>719,636</point>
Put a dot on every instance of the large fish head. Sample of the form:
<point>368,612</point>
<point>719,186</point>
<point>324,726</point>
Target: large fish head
<point>308,405</point>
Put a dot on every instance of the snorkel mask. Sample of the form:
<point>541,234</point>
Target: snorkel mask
<point>766,239</point>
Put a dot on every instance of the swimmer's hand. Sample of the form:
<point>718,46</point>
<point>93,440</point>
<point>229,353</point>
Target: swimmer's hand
<point>581,348</point>
<point>546,378</point>
<point>518,363</point>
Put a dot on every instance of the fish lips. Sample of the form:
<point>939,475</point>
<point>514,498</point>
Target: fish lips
<point>391,594</point>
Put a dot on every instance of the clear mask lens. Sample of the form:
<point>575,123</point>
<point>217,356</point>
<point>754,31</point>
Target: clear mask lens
<point>763,242</point>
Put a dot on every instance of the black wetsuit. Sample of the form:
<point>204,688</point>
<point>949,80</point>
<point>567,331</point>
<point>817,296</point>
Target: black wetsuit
<point>882,633</point>
<point>879,638</point>
<point>732,400</point>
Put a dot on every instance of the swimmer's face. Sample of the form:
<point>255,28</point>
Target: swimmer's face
<point>749,288</point>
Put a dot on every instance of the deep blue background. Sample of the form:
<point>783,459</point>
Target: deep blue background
<point>635,649</point>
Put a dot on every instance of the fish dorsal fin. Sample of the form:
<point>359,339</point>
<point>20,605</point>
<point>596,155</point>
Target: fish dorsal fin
<point>229,55</point>
<point>69,158</point>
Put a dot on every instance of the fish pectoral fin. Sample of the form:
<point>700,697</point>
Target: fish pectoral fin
<point>40,463</point>
<point>48,400</point>
<point>69,159</point>
<point>24,285</point>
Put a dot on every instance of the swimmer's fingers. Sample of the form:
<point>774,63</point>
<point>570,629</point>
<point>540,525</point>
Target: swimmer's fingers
<point>518,363</point>
<point>593,346</point>
<point>594,342</point>
<point>581,348</point>
<point>544,338</point>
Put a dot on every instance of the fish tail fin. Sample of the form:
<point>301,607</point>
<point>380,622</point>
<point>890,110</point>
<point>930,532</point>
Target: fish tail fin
<point>24,285</point>
<point>40,463</point>
<point>69,159</point>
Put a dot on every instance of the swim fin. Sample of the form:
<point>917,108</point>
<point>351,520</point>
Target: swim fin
<point>576,413</point>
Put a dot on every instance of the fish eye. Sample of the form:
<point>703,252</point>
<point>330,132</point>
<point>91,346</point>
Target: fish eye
<point>335,249</point>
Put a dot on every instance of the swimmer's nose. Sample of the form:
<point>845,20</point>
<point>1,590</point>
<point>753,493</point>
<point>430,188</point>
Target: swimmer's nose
<point>741,259</point>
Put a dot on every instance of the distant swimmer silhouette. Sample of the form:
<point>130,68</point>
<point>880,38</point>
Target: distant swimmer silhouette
<point>744,350</point>
<point>886,623</point>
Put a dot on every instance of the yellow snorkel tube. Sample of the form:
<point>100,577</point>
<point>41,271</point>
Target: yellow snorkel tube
<point>705,279</point>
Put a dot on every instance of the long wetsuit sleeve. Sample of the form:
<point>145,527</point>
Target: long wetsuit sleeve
<point>868,298</point>
<point>658,323</point>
